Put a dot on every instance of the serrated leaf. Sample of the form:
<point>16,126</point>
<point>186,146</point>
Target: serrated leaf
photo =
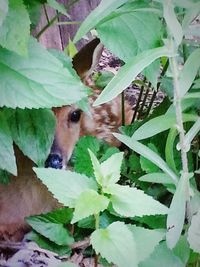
<point>7,157</point>
<point>189,71</point>
<point>3,10</point>
<point>15,29</point>
<point>101,11</point>
<point>151,237</point>
<point>147,153</point>
<point>162,256</point>
<point>172,21</point>
<point>116,244</point>
<point>108,172</point>
<point>129,71</point>
<point>66,186</point>
<point>194,233</point>
<point>159,177</point>
<point>38,81</point>
<point>33,132</point>
<point>59,7</point>
<point>176,214</point>
<point>129,202</point>
<point>51,228</point>
<point>89,203</point>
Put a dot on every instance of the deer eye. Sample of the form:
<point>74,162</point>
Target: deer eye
<point>75,115</point>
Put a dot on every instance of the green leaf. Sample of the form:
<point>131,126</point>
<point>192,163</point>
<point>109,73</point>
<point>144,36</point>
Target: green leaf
<point>33,132</point>
<point>169,149</point>
<point>129,202</point>
<point>51,227</point>
<point>67,264</point>
<point>176,214</point>
<point>159,124</point>
<point>66,186</point>
<point>129,71</point>
<point>116,244</point>
<point>182,249</point>
<point>4,177</point>
<point>146,164</point>
<point>162,256</point>
<point>172,21</point>
<point>151,237</point>
<point>15,29</point>
<point>108,172</point>
<point>57,6</point>
<point>103,79</point>
<point>7,157</point>
<point>89,203</point>
<point>101,11</point>
<point>147,153</point>
<point>83,162</point>
<point>40,80</point>
<point>189,71</point>
<point>194,233</point>
<point>3,10</point>
<point>159,178</point>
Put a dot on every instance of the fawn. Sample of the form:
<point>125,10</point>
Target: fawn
<point>25,195</point>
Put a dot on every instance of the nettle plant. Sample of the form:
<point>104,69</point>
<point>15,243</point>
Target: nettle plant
<point>125,225</point>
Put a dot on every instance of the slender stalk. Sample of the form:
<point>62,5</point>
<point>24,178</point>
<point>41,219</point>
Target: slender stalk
<point>45,12</point>
<point>97,221</point>
<point>47,26</point>
<point>68,22</point>
<point>123,108</point>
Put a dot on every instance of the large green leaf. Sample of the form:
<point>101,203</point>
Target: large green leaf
<point>176,215</point>
<point>116,244</point>
<point>89,203</point>
<point>52,226</point>
<point>189,71</point>
<point>151,237</point>
<point>39,80</point>
<point>162,256</point>
<point>159,177</point>
<point>147,153</point>
<point>33,132</point>
<point>7,158</point>
<point>129,202</point>
<point>194,233</point>
<point>3,10</point>
<point>100,12</point>
<point>66,186</point>
<point>129,71</point>
<point>15,29</point>
<point>172,21</point>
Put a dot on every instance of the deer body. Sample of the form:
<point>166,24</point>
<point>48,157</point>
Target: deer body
<point>25,195</point>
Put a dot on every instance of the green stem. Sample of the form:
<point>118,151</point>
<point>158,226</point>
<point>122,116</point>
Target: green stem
<point>123,108</point>
<point>47,26</point>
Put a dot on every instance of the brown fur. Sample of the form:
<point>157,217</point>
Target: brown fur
<point>26,195</point>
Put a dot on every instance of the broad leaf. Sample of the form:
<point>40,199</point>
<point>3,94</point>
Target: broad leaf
<point>172,21</point>
<point>3,10</point>
<point>176,215</point>
<point>151,237</point>
<point>15,29</point>
<point>129,202</point>
<point>147,153</point>
<point>96,167</point>
<point>40,80</point>
<point>116,244</point>
<point>189,71</point>
<point>159,178</point>
<point>89,203</point>
<point>7,158</point>
<point>66,186</point>
<point>52,226</point>
<point>33,132</point>
<point>194,233</point>
<point>162,256</point>
<point>129,71</point>
<point>101,11</point>
<point>59,7</point>
<point>182,249</point>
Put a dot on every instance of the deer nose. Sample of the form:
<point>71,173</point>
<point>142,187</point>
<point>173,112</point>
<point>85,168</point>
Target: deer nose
<point>54,161</point>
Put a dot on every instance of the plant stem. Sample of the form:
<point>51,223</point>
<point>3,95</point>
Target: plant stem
<point>122,109</point>
<point>47,26</point>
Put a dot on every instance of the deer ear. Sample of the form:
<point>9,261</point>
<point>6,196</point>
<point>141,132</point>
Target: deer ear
<point>87,58</point>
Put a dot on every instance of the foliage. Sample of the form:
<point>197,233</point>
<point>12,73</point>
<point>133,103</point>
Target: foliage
<point>116,198</point>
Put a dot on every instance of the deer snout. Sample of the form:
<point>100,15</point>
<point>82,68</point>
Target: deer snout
<point>54,161</point>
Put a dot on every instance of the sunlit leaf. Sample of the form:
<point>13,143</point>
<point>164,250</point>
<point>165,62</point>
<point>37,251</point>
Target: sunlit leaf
<point>3,10</point>
<point>194,233</point>
<point>159,177</point>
